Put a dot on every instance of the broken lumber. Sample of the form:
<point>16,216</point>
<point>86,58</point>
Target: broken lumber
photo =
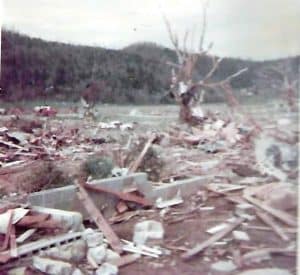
<point>29,220</point>
<point>276,228</point>
<point>121,195</point>
<point>218,236</point>
<point>135,165</point>
<point>98,218</point>
<point>265,253</point>
<point>279,214</point>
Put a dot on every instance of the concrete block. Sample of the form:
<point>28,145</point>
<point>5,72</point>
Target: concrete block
<point>65,198</point>
<point>186,188</point>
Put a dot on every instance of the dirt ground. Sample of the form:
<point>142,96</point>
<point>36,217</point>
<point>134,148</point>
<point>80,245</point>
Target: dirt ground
<point>188,230</point>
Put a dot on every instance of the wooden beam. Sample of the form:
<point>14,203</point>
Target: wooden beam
<point>98,218</point>
<point>218,236</point>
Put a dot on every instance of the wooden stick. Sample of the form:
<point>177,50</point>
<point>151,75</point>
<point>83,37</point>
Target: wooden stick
<point>135,165</point>
<point>269,221</point>
<point>279,214</point>
<point>98,218</point>
<point>218,236</point>
<point>13,243</point>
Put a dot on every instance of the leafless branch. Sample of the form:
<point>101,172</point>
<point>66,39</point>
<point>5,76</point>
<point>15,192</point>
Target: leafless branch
<point>216,63</point>
<point>204,25</point>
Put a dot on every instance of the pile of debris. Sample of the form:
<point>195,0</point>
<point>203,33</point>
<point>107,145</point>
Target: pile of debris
<point>216,176</point>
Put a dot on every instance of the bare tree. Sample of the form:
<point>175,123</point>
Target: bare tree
<point>187,92</point>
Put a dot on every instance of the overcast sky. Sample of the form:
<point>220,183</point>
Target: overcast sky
<point>256,29</point>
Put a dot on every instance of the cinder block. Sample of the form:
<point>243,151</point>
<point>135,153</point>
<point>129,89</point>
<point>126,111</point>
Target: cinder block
<point>186,187</point>
<point>65,198</point>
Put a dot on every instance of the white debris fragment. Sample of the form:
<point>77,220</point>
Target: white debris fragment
<point>98,253</point>
<point>197,112</point>
<point>126,126</point>
<point>217,228</point>
<point>218,124</point>
<point>119,172</point>
<point>283,122</point>
<point>147,230</point>
<point>224,266</point>
<point>207,208</point>
<point>3,129</point>
<point>246,216</point>
<point>182,88</point>
<point>232,220</point>
<point>160,203</point>
<point>93,238</point>
<point>240,235</point>
<point>107,269</point>
<point>141,249</point>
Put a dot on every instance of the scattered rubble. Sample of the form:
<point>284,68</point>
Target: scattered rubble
<point>210,191</point>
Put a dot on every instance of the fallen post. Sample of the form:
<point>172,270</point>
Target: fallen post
<point>98,218</point>
<point>218,236</point>
<point>135,165</point>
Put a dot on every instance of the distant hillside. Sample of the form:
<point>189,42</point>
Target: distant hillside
<point>33,68</point>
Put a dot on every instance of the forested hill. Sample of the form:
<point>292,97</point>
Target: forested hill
<point>33,68</point>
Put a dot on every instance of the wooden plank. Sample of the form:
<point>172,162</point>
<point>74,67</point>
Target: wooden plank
<point>276,228</point>
<point>218,236</point>
<point>279,214</point>
<point>98,218</point>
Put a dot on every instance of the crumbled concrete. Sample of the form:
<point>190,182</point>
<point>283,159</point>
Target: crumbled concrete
<point>147,230</point>
<point>98,253</point>
<point>264,271</point>
<point>52,267</point>
<point>93,238</point>
<point>73,252</point>
<point>107,269</point>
